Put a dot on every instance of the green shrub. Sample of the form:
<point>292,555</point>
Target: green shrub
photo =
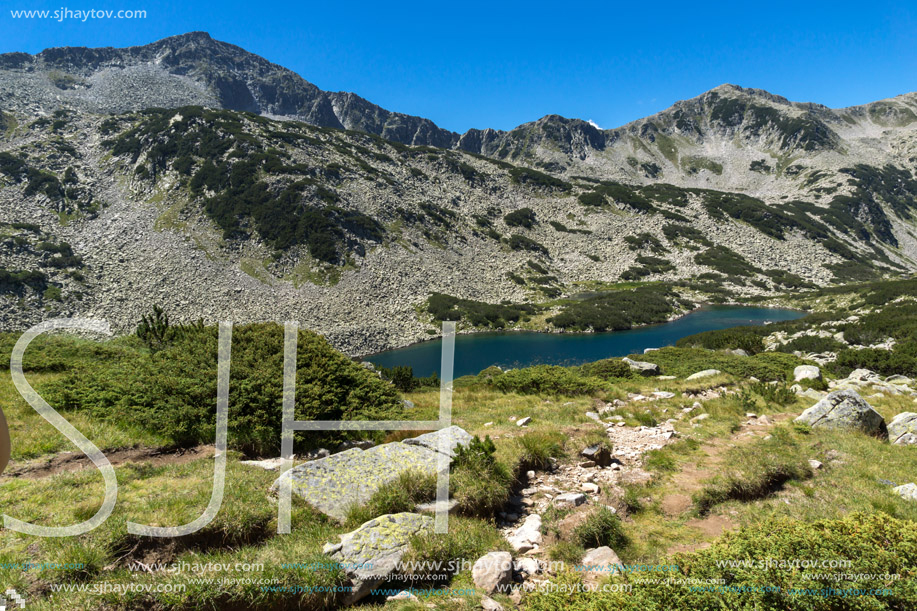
<point>608,369</point>
<point>808,344</point>
<point>749,339</point>
<point>524,217</point>
<point>478,313</point>
<point>725,260</point>
<point>520,242</point>
<point>778,394</point>
<point>404,494</point>
<point>601,527</point>
<point>479,483</point>
<point>645,240</point>
<point>534,178</point>
<point>685,361</point>
<point>538,448</point>
<point>619,310</point>
<point>548,380</point>
<point>173,391</point>
<point>876,544</point>
<point>592,198</point>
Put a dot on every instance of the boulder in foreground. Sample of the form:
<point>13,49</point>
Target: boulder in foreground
<point>845,409</point>
<point>370,555</point>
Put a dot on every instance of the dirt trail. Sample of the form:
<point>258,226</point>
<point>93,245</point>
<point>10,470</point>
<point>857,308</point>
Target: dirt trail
<point>65,462</point>
<point>693,475</point>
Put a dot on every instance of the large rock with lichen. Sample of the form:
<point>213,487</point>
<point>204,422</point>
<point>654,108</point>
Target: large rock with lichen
<point>845,409</point>
<point>371,554</point>
<point>335,484</point>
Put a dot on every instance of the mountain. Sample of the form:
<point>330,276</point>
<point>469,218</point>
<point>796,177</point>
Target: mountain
<point>193,174</point>
<point>193,69</point>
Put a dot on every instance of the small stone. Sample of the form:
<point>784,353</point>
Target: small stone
<point>907,491</point>
<point>489,604</point>
<point>588,464</point>
<point>527,536</point>
<point>493,570</point>
<point>527,566</point>
<point>599,563</point>
<point>523,421</point>
<point>530,475</point>
<point>590,488</point>
<point>570,499</point>
<point>806,372</point>
<point>598,453</point>
<point>815,464</point>
<point>402,595</point>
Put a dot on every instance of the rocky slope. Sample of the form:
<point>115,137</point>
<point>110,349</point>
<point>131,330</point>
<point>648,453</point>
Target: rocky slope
<point>249,214</point>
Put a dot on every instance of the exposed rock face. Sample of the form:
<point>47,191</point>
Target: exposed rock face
<point>806,372</point>
<point>145,236</point>
<point>195,69</point>
<point>902,430</point>
<point>642,367</point>
<point>493,570</point>
<point>335,484</point>
<point>370,554</point>
<point>845,409</point>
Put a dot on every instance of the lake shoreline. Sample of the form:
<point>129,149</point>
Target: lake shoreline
<point>520,347</point>
<point>555,331</point>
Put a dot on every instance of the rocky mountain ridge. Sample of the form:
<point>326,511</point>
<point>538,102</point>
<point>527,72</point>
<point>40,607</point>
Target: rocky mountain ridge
<point>122,186</point>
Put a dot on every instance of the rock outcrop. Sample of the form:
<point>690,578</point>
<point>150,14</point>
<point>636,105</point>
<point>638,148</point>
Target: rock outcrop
<point>335,484</point>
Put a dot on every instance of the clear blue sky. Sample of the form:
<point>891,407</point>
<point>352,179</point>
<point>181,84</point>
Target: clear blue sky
<point>499,64</point>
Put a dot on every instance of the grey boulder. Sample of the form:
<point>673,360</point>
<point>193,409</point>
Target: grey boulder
<point>493,570</point>
<point>642,367</point>
<point>371,554</point>
<point>844,409</point>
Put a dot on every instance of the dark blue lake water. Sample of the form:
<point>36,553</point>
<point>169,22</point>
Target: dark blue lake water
<point>474,352</point>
